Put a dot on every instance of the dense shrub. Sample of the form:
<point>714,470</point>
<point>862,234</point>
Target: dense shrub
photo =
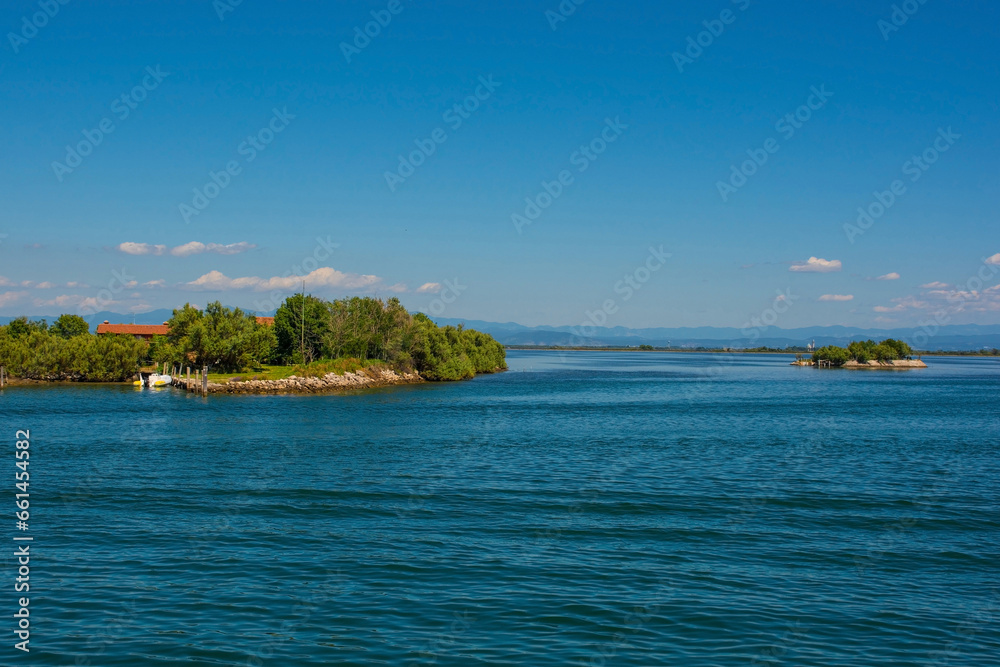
<point>45,355</point>
<point>864,351</point>
<point>354,333</point>
<point>223,338</point>
<point>374,329</point>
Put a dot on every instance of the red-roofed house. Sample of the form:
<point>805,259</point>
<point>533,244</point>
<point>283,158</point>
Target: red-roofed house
<point>140,331</point>
<point>265,321</point>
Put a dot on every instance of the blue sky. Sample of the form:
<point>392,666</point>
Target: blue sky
<point>199,91</point>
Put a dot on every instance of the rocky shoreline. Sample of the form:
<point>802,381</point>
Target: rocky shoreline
<point>898,364</point>
<point>331,382</point>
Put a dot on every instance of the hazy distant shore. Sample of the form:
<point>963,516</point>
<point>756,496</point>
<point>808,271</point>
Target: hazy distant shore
<point>720,350</point>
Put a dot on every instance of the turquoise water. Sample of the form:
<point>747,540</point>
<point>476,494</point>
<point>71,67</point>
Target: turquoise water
<point>581,509</point>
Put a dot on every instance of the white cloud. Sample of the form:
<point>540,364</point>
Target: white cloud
<point>4,282</point>
<point>817,265</point>
<point>62,300</point>
<point>185,250</point>
<point>7,298</point>
<point>935,285</point>
<point>130,248</point>
<point>197,248</point>
<point>155,283</point>
<point>889,276</point>
<point>73,284</point>
<point>429,288</point>
<point>901,305</point>
<point>193,248</point>
<point>837,297</point>
<point>994,260</point>
<point>321,277</point>
<point>94,305</point>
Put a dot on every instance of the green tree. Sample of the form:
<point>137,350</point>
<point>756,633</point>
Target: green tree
<point>226,339</point>
<point>862,352</point>
<point>900,349</point>
<point>884,353</point>
<point>22,326</point>
<point>288,329</point>
<point>837,356</point>
<point>69,326</point>
<point>43,355</point>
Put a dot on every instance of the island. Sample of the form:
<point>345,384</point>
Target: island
<point>888,354</point>
<point>310,345</point>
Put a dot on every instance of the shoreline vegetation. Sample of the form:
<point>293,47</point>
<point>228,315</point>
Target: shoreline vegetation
<point>889,354</point>
<point>312,345</point>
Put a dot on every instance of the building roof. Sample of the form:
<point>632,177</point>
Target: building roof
<point>265,321</point>
<point>133,329</point>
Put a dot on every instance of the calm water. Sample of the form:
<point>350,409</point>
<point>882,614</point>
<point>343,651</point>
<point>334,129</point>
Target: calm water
<point>585,509</point>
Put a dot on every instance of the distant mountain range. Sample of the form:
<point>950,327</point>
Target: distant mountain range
<point>949,337</point>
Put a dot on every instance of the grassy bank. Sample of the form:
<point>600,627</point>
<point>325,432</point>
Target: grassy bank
<point>315,369</point>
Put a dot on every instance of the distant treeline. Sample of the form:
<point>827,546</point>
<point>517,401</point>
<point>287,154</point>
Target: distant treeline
<point>305,329</point>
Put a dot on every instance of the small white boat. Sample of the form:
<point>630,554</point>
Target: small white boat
<point>153,380</point>
<point>156,380</point>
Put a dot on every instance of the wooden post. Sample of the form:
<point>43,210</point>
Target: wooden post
<point>187,385</point>
<point>204,381</point>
